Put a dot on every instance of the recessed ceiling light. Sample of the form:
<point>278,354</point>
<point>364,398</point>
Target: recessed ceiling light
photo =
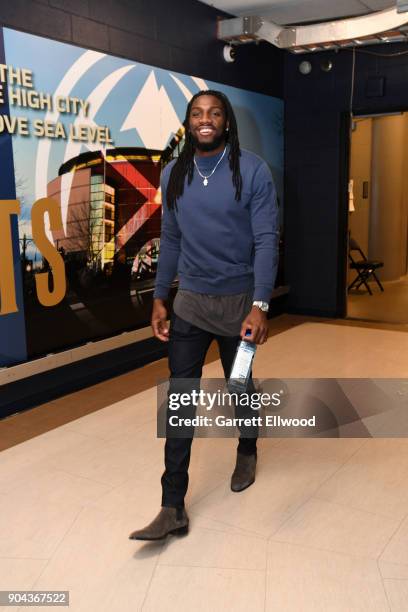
<point>326,65</point>
<point>305,67</point>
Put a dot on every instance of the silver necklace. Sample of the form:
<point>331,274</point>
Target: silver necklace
<point>205,181</point>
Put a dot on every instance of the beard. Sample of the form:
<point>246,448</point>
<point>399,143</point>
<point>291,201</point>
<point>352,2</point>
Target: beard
<point>208,146</point>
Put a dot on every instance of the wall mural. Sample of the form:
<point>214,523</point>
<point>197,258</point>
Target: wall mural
<point>83,139</point>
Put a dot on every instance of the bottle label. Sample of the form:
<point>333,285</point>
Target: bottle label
<point>243,360</point>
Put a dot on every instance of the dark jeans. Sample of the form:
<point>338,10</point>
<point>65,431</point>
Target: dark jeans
<point>188,346</point>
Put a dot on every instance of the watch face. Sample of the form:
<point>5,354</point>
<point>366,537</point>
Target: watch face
<point>264,306</point>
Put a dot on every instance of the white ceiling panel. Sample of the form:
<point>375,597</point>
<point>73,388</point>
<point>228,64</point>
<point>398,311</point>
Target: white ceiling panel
<point>300,11</point>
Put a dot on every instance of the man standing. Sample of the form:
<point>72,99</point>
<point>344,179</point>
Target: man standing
<point>220,234</point>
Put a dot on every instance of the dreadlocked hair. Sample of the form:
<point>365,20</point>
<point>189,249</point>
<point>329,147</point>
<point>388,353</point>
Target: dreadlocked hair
<point>184,165</point>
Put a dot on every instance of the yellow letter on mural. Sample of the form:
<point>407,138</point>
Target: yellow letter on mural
<point>48,250</point>
<point>8,303</point>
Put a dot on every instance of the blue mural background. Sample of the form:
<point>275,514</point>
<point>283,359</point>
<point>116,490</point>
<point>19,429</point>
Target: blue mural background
<point>12,328</point>
<point>142,105</point>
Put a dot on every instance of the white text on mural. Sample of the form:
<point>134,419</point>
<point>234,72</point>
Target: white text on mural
<point>17,89</point>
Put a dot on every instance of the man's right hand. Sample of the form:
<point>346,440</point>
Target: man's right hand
<point>159,320</point>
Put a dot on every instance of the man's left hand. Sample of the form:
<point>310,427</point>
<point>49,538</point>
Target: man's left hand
<point>257,322</point>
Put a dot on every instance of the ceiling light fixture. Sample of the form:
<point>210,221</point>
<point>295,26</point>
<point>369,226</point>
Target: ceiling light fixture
<point>335,34</point>
<point>305,67</point>
<point>326,65</point>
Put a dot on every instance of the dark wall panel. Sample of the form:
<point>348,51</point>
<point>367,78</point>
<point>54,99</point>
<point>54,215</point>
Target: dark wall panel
<point>317,111</point>
<point>179,35</point>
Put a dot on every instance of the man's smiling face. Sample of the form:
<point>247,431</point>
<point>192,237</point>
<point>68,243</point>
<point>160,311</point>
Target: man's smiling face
<point>207,123</point>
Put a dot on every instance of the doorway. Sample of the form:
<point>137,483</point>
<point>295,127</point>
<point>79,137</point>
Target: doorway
<point>378,219</point>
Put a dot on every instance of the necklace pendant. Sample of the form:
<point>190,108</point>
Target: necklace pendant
<point>205,182</point>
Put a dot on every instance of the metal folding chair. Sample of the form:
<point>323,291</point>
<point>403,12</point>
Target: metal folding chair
<point>364,267</point>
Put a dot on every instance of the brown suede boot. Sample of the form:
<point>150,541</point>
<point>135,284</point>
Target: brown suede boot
<point>244,473</point>
<point>169,520</point>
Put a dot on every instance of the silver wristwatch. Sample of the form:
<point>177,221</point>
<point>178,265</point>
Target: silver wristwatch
<point>264,306</point>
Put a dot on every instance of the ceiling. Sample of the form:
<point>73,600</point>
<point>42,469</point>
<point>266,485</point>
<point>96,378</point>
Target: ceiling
<point>285,12</point>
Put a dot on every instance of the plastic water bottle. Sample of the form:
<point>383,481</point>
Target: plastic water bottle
<point>241,368</point>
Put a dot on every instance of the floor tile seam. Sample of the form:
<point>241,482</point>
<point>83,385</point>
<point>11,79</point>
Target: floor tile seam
<point>32,587</point>
<point>200,499</point>
<point>47,503</point>
<point>339,468</point>
<point>306,455</point>
<point>255,534</point>
<point>10,557</point>
<point>53,453</point>
<point>353,556</point>
<point>82,477</point>
<point>141,466</point>
<point>91,503</point>
<point>239,532</point>
<point>305,501</point>
<point>369,461</point>
<point>272,537</point>
<point>7,492</point>
<point>115,438</point>
<point>383,586</point>
<point>80,433</point>
<point>50,559</point>
<point>146,464</point>
<point>337,465</point>
<point>266,576</point>
<point>106,484</point>
<point>42,464</point>
<point>163,548</point>
<point>24,558</point>
<point>112,489</point>
<point>352,507</point>
<point>224,474</point>
<point>217,567</point>
<point>136,430</point>
<point>203,496</point>
<point>289,516</point>
<point>151,579</point>
<point>113,401</point>
<point>391,538</point>
<point>394,563</point>
<point>78,506</point>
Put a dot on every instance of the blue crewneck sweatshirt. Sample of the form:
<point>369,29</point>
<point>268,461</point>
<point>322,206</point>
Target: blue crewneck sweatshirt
<point>215,244</point>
